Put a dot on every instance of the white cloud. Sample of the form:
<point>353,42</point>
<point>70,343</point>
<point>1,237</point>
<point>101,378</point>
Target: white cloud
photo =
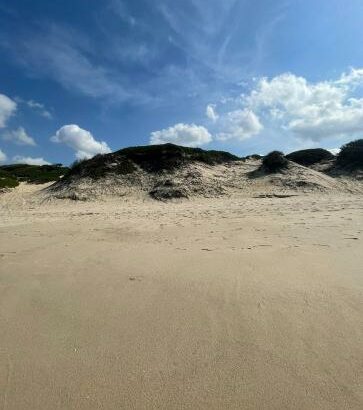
<point>2,156</point>
<point>36,106</point>
<point>19,137</point>
<point>334,151</point>
<point>7,109</point>
<point>30,161</point>
<point>211,112</point>
<point>310,110</point>
<point>120,8</point>
<point>40,108</point>
<point>190,135</point>
<point>80,140</point>
<point>355,77</point>
<point>239,125</point>
<point>66,57</point>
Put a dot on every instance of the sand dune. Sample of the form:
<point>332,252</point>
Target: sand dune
<point>238,302</point>
<point>199,180</point>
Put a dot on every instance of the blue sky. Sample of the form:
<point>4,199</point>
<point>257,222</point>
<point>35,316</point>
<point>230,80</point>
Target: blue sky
<point>88,76</point>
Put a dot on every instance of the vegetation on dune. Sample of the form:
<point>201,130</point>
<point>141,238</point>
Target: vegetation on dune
<point>36,174</point>
<point>154,158</point>
<point>167,190</point>
<point>151,158</point>
<point>101,165</point>
<point>169,157</point>
<point>6,180</point>
<point>351,155</point>
<point>8,183</point>
<point>309,157</point>
<point>253,156</point>
<point>275,161</point>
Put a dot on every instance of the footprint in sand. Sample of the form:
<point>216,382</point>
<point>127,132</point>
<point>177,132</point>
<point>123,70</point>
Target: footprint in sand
<point>135,278</point>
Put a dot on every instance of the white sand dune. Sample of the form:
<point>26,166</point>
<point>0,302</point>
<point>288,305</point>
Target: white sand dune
<point>236,302</point>
<point>195,180</point>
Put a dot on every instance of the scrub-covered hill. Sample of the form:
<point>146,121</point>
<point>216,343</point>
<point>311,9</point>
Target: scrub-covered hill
<point>165,172</point>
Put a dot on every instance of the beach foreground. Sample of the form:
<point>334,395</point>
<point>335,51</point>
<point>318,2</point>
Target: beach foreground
<point>229,303</point>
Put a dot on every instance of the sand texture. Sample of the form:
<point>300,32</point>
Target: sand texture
<point>236,302</point>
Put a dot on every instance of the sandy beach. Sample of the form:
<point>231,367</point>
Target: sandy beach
<point>226,303</point>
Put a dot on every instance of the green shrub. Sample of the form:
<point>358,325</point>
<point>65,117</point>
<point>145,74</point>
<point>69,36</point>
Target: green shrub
<point>101,165</point>
<point>308,157</point>
<point>150,158</point>
<point>36,174</point>
<point>155,158</point>
<point>6,182</point>
<point>351,155</point>
<point>275,161</point>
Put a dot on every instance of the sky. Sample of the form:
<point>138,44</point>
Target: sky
<point>83,77</point>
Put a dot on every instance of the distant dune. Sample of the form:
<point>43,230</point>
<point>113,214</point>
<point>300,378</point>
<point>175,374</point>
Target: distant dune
<point>166,172</point>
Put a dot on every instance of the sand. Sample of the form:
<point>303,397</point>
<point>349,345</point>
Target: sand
<point>227,303</point>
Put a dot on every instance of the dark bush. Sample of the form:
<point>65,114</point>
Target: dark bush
<point>76,163</point>
<point>275,161</point>
<point>308,157</point>
<point>351,155</point>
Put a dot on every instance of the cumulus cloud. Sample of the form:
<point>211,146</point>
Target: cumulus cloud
<point>2,156</point>
<point>7,109</point>
<point>239,125</point>
<point>190,135</point>
<point>80,140</point>
<point>29,160</point>
<point>19,137</point>
<point>211,112</point>
<point>310,110</point>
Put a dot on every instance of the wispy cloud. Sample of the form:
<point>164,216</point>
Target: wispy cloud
<point>153,53</point>
<point>63,56</point>
<point>3,156</point>
<point>19,159</point>
<point>7,109</point>
<point>211,112</point>
<point>122,11</point>
<point>211,33</point>
<point>40,108</point>
<point>36,106</point>
<point>19,137</point>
